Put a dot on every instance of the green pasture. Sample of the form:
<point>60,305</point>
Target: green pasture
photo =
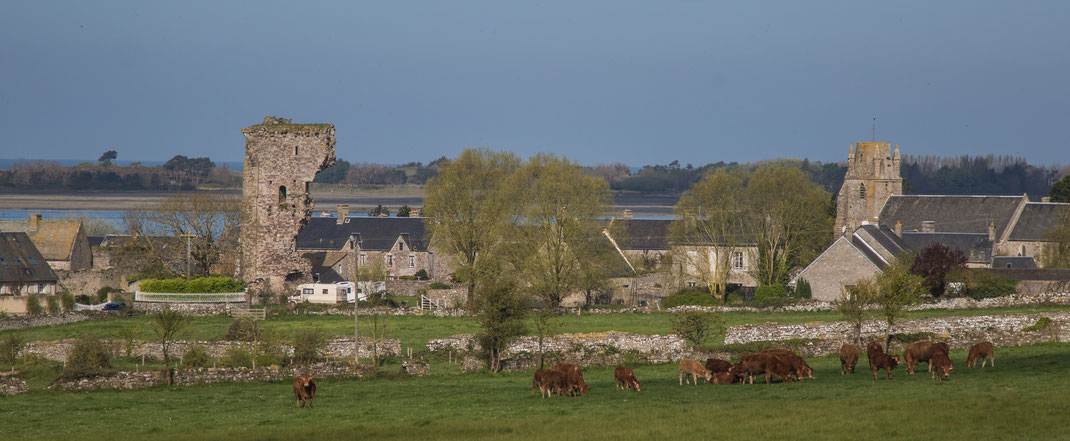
<point>1023,397</point>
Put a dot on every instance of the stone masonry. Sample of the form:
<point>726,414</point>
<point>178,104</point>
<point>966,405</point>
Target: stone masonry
<point>281,159</point>
<point>872,176</point>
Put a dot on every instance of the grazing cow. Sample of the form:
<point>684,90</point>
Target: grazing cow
<point>799,367</point>
<point>917,352</point>
<point>781,366</point>
<point>873,348</point>
<point>694,369</point>
<point>304,390</point>
<point>537,379</point>
<point>574,376</point>
<point>883,361</point>
<point>941,365</point>
<point>624,379</point>
<point>724,378</point>
<point>983,350</point>
<point>553,382</point>
<point>938,347</point>
<point>739,371</point>
<point>714,365</point>
<point>848,359</point>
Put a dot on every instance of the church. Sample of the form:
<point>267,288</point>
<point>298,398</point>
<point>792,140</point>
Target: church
<point>875,222</point>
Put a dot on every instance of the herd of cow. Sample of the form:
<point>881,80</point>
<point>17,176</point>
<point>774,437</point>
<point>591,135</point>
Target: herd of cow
<point>567,379</point>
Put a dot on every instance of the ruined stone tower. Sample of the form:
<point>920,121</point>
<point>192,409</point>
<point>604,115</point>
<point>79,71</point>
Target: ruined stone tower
<point>281,159</point>
<point>872,176</point>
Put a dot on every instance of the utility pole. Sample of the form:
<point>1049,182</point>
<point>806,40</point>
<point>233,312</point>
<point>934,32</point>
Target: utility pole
<point>354,240</point>
<point>188,252</point>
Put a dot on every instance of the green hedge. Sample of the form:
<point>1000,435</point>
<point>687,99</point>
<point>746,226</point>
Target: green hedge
<point>802,289</point>
<point>688,297</point>
<point>198,285</point>
<point>768,292</point>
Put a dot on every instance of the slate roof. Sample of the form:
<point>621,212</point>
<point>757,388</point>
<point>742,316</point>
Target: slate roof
<point>1037,218</point>
<point>880,245</point>
<point>322,265</point>
<point>54,239</point>
<point>20,261</point>
<point>1040,274</point>
<point>646,234</point>
<point>958,214</point>
<point>976,247</point>
<point>1014,262</point>
<point>96,241</point>
<point>376,233</point>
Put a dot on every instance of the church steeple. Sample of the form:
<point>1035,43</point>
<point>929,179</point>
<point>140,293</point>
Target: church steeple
<point>868,184</point>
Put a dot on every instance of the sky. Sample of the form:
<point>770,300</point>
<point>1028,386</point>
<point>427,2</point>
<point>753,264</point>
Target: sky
<point>638,82</point>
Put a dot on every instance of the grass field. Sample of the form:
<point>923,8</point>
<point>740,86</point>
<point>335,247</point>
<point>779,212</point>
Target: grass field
<point>414,331</point>
<point>1024,397</point>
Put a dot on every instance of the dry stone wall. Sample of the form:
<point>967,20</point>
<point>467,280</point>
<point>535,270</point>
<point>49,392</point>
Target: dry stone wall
<point>584,349</point>
<point>51,320</point>
<point>10,385</point>
<point>335,349</point>
<point>189,377</point>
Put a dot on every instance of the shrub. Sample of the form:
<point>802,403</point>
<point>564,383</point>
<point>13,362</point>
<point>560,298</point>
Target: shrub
<point>10,348</point>
<point>198,285</point>
<point>986,284</point>
<point>196,356</point>
<point>769,292</point>
<point>67,300</point>
<point>438,285</point>
<point>88,358</point>
<point>243,329</point>
<point>307,346</point>
<point>33,305</point>
<point>688,296</point>
<point>34,361</point>
<point>696,326</point>
<point>83,299</point>
<point>52,303</point>
<point>802,289</point>
<point>102,293</point>
<point>1041,324</point>
<point>237,356</point>
<point>421,275</point>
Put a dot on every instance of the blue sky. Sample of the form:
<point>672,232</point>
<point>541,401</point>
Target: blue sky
<point>606,81</point>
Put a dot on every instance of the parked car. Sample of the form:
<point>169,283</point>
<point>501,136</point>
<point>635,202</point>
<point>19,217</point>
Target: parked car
<point>114,306</point>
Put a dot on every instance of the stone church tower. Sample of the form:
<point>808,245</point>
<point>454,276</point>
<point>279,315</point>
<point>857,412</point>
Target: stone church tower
<point>872,176</point>
<point>281,159</point>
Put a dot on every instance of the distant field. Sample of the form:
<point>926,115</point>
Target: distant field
<point>1024,397</point>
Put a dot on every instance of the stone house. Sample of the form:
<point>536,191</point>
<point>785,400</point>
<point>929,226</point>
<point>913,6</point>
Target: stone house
<point>62,243</point>
<point>23,271</point>
<point>399,244</point>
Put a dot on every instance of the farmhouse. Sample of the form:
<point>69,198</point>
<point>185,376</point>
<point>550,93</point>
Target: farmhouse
<point>62,243</point>
<point>23,271</point>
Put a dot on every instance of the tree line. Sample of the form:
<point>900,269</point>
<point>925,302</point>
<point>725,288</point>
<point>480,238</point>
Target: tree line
<point>178,173</point>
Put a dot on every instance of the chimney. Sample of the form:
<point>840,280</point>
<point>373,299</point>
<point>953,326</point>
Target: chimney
<point>1045,199</point>
<point>928,226</point>
<point>627,213</point>
<point>899,229</point>
<point>343,212</point>
<point>35,221</point>
<point>992,231</point>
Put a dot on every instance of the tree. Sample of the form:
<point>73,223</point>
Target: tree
<point>696,326</point>
<point>1056,250</point>
<point>1060,191</point>
<point>893,290</point>
<point>467,213</point>
<point>404,211</point>
<point>334,174</point>
<point>500,309</point>
<point>788,220</point>
<point>167,324</point>
<point>214,221</point>
<point>934,262</point>
<point>852,306</point>
<point>710,225</point>
<point>108,157</point>
<point>559,228</point>
<point>379,210</point>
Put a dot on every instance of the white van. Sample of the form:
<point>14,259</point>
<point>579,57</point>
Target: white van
<point>329,293</point>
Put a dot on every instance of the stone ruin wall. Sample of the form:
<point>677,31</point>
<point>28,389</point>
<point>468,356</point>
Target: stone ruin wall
<point>281,160</point>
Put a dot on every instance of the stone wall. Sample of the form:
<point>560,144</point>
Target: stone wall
<point>599,348</point>
<point>405,287</point>
<point>337,348</point>
<point>51,320</point>
<point>188,377</point>
<point>10,385</point>
<point>449,298</point>
<point>1062,298</point>
<point>959,332</point>
<point>215,308</point>
<point>90,280</point>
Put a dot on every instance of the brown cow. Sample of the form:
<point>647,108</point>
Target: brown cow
<point>574,376</point>
<point>304,390</point>
<point>883,361</point>
<point>694,369</point>
<point>799,367</point>
<point>848,359</point>
<point>553,382</point>
<point>724,378</point>
<point>714,365</point>
<point>739,371</point>
<point>780,365</point>
<point>983,350</point>
<point>941,365</point>
<point>625,379</point>
<point>537,379</point>
<point>917,352</point>
<point>873,348</point>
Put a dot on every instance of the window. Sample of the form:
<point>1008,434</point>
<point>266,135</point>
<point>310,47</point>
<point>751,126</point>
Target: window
<point>18,260</point>
<point>32,262</point>
<point>308,291</point>
<point>390,259</point>
<point>738,261</point>
<point>297,150</point>
<point>412,261</point>
<point>282,194</point>
<point>691,284</point>
<point>362,258</point>
<point>325,290</point>
<point>862,191</point>
<point>3,261</point>
<point>401,246</point>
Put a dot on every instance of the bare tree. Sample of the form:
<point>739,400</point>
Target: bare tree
<point>167,324</point>
<point>213,220</point>
<point>709,230</point>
